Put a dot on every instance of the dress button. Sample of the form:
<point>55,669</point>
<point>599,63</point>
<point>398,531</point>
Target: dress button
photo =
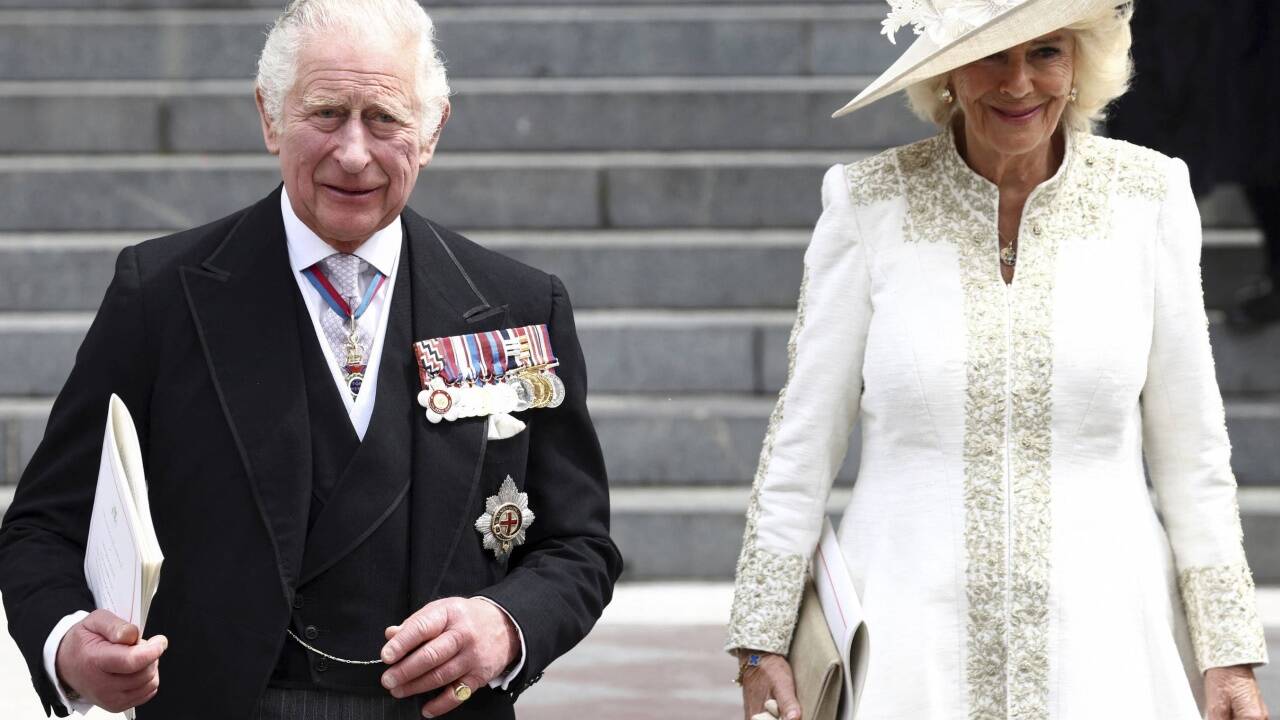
<point>297,602</point>
<point>1088,161</point>
<point>1035,229</point>
<point>322,665</point>
<point>310,632</point>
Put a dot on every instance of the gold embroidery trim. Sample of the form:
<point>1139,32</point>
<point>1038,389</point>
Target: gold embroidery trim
<point>768,585</point>
<point>1222,615</point>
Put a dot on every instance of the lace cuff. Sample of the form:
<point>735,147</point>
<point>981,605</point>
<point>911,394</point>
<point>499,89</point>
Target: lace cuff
<point>766,600</point>
<point>1223,617</point>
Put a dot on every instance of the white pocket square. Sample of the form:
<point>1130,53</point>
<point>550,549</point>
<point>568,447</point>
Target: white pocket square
<point>503,426</point>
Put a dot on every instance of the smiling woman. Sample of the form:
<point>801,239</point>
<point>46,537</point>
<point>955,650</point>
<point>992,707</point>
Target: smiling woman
<point>1101,71</point>
<point>1012,311</point>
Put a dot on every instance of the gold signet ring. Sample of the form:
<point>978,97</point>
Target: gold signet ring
<point>462,692</point>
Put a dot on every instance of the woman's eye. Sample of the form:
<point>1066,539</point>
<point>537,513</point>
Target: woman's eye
<point>1048,52</point>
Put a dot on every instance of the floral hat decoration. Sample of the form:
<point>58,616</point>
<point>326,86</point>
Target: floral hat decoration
<point>952,33</point>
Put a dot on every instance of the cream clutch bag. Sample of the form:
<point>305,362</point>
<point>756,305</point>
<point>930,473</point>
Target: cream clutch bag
<point>815,661</point>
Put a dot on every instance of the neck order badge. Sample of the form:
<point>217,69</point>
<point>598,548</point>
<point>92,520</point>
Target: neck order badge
<point>355,360</point>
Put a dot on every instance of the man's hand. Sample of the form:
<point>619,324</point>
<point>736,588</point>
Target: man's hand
<point>102,660</point>
<point>1231,693</point>
<point>449,641</point>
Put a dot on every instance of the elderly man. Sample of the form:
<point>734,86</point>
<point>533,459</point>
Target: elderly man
<point>371,467</point>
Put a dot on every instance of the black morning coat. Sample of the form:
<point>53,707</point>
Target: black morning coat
<point>198,335</point>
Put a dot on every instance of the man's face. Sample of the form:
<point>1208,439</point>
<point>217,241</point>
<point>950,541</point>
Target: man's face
<point>349,139</point>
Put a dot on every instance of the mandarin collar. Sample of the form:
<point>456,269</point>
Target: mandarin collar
<point>950,162</point>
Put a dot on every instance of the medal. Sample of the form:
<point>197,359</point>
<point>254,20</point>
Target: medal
<point>349,309</point>
<point>542,390</point>
<point>505,519</point>
<point>557,390</point>
<point>488,373</point>
<point>469,401</point>
<point>523,390</point>
<point>503,398</point>
<point>439,401</point>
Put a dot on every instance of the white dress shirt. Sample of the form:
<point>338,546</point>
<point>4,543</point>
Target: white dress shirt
<point>382,251</point>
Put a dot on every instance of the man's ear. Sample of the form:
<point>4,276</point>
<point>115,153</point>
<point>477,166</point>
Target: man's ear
<point>429,145</point>
<point>270,127</point>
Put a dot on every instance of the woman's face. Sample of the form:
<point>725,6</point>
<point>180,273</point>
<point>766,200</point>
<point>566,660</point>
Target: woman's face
<point>1012,101</point>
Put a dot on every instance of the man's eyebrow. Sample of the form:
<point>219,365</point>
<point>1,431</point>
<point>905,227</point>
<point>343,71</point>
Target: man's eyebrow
<point>311,102</point>
<point>395,110</point>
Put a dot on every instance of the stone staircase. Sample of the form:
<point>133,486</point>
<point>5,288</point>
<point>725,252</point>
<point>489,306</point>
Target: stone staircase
<point>663,158</point>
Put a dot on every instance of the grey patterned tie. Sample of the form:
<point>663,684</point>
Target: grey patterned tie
<point>350,276</point>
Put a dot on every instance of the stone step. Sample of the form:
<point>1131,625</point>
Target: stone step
<point>688,533</point>
<point>630,351</point>
<point>491,115</point>
<point>689,269</point>
<point>477,41</point>
<point>673,533</point>
<point>763,189</point>
<point>703,440</point>
<point>277,4</point>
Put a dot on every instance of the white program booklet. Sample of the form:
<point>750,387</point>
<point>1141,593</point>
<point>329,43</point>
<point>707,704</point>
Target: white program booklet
<point>122,558</point>
<point>843,611</point>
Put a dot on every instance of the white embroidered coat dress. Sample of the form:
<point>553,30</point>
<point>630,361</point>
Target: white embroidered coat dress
<point>1007,551</point>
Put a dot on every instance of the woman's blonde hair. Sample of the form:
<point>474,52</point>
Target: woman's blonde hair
<point>1103,69</point>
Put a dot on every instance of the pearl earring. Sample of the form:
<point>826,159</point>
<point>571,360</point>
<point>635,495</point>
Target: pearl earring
<point>1075,94</point>
<point>945,96</point>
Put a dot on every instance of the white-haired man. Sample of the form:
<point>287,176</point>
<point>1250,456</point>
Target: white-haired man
<point>333,549</point>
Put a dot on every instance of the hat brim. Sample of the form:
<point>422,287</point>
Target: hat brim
<point>926,59</point>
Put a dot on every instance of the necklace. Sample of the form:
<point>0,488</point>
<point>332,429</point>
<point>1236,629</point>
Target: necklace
<point>1008,251</point>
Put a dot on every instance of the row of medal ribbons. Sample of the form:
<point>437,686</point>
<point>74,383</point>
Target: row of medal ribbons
<point>499,371</point>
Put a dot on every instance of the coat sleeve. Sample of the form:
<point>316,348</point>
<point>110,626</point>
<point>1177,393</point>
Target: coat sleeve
<point>562,577</point>
<point>1187,450</point>
<point>808,432</point>
<point>43,536</point>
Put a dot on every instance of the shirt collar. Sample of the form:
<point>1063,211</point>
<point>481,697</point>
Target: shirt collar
<point>306,248</point>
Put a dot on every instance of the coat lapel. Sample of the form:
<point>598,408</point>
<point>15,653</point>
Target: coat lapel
<point>376,480</point>
<point>242,301</point>
<point>448,456</point>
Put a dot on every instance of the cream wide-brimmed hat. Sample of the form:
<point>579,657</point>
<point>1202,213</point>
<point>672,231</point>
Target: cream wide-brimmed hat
<point>957,32</point>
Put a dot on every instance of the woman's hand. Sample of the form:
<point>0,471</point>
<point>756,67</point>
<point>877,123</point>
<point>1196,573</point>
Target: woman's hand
<point>770,679</point>
<point>1231,693</point>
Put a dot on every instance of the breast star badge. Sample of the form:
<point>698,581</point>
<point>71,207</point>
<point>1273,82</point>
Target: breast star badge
<point>506,518</point>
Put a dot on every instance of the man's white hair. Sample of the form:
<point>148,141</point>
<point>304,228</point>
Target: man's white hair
<point>306,19</point>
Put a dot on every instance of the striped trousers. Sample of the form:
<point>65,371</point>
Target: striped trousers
<point>287,704</point>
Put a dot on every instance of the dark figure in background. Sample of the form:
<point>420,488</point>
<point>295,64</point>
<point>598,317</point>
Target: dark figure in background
<point>1208,77</point>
